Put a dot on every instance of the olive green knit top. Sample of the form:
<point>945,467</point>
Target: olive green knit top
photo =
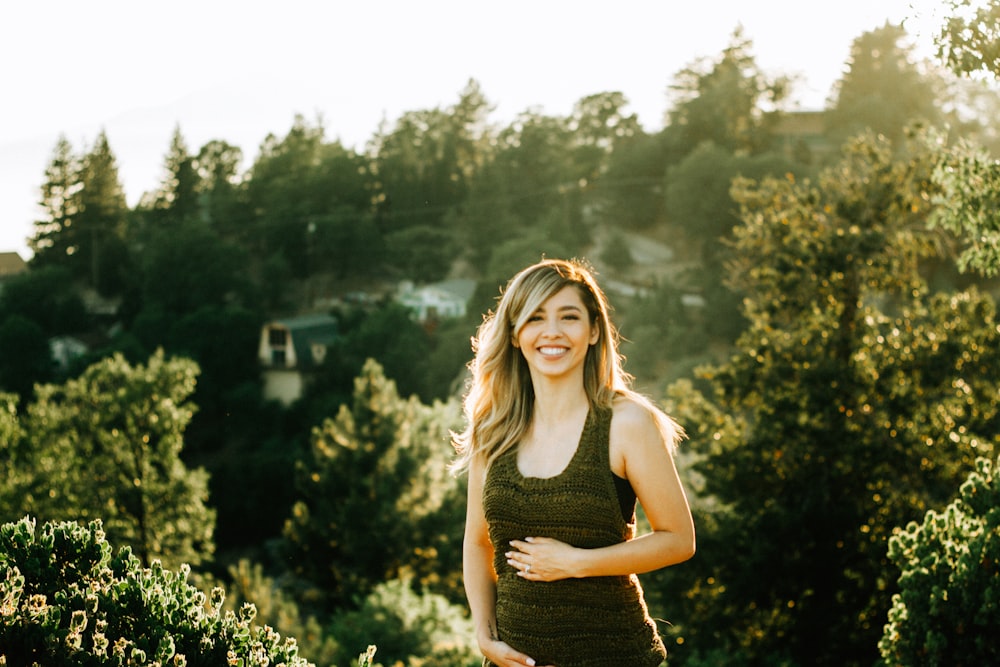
<point>590,622</point>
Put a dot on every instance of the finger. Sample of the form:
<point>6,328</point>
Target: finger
<point>520,545</point>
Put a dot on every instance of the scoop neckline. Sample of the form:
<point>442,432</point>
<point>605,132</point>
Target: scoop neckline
<point>587,425</point>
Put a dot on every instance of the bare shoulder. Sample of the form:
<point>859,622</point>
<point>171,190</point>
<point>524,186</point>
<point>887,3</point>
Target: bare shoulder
<point>642,441</point>
<point>631,416</point>
<point>636,424</point>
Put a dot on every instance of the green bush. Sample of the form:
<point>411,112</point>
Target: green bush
<point>410,629</point>
<point>948,607</point>
<point>66,599</point>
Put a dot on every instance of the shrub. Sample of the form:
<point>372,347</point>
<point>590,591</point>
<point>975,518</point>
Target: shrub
<point>410,629</point>
<point>948,607</point>
<point>66,599</point>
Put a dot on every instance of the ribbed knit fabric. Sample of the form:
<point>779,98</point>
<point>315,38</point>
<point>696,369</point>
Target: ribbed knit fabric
<point>592,622</point>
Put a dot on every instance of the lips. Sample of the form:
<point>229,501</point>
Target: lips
<point>552,351</point>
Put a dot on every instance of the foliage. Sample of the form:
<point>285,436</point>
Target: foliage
<point>853,402</point>
<point>969,40</point>
<point>32,362</point>
<point>84,223</point>
<point>248,585</point>
<point>187,266</point>
<point>410,629</point>
<point>728,102</point>
<point>47,296</point>
<point>107,446</point>
<point>949,600</point>
<point>378,471</point>
<point>68,600</point>
<point>884,91</point>
<point>969,205</point>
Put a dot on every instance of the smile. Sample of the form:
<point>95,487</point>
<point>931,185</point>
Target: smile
<point>552,351</point>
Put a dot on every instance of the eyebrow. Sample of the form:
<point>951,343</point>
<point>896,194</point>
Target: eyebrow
<point>561,309</point>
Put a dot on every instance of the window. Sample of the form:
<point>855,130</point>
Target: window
<point>277,336</point>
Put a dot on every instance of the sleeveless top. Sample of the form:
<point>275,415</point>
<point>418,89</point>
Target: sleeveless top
<point>589,622</point>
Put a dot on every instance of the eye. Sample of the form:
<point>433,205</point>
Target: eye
<point>535,318</point>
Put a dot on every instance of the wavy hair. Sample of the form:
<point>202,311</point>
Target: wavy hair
<point>499,403</point>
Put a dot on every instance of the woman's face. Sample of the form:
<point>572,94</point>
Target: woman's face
<point>556,337</point>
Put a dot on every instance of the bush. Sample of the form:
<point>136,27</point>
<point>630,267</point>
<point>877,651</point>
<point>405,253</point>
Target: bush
<point>410,629</point>
<point>948,607</point>
<point>66,600</point>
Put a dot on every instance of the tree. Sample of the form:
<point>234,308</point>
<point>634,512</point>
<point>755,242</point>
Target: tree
<point>48,297</point>
<point>107,446</point>
<point>969,177</point>
<point>853,402</point>
<point>377,476</point>
<point>630,193</point>
<point>219,188</point>
<point>101,221</point>
<point>599,125</point>
<point>295,181</point>
<point>188,267</point>
<point>883,91</point>
<point>32,363</point>
<point>948,603</point>
<point>969,40</point>
<point>176,199</point>
<point>968,205</point>
<point>728,102</point>
<point>54,238</point>
<point>423,165</point>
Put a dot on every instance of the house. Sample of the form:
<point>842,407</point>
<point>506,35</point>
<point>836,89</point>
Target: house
<point>11,264</point>
<point>437,301</point>
<point>290,351</point>
<point>802,134</point>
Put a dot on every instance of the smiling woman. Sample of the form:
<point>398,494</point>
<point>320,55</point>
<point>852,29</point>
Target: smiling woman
<point>558,450</point>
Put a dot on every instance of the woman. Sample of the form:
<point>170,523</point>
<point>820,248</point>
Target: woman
<point>558,449</point>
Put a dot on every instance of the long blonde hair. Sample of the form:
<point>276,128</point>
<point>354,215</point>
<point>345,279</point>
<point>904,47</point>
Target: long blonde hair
<point>500,399</point>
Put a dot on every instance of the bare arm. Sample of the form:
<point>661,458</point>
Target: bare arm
<point>640,454</point>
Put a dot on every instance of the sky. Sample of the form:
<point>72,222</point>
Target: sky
<point>241,70</point>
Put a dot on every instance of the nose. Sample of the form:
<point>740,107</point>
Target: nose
<point>552,327</point>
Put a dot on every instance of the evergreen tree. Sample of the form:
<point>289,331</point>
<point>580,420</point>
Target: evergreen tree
<point>55,237</point>
<point>101,221</point>
<point>376,479</point>
<point>220,188</point>
<point>728,102</point>
<point>107,446</point>
<point>884,90</point>
<point>176,199</point>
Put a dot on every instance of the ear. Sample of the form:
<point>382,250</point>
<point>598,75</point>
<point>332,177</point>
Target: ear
<point>595,334</point>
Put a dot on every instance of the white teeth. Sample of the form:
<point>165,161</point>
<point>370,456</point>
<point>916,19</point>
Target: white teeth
<point>551,350</point>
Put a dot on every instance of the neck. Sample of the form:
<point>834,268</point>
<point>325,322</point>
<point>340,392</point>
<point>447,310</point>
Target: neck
<point>557,401</point>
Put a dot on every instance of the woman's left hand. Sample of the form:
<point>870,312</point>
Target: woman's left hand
<point>542,558</point>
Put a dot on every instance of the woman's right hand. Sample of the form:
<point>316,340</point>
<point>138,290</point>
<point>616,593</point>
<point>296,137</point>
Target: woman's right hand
<point>502,654</point>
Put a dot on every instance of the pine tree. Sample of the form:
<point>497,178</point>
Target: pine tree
<point>55,238</point>
<point>377,477</point>
<point>107,446</point>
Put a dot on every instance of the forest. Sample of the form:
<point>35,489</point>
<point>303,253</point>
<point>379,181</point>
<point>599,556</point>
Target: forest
<point>824,327</point>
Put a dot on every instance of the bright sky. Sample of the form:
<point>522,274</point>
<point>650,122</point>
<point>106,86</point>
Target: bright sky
<point>238,70</point>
